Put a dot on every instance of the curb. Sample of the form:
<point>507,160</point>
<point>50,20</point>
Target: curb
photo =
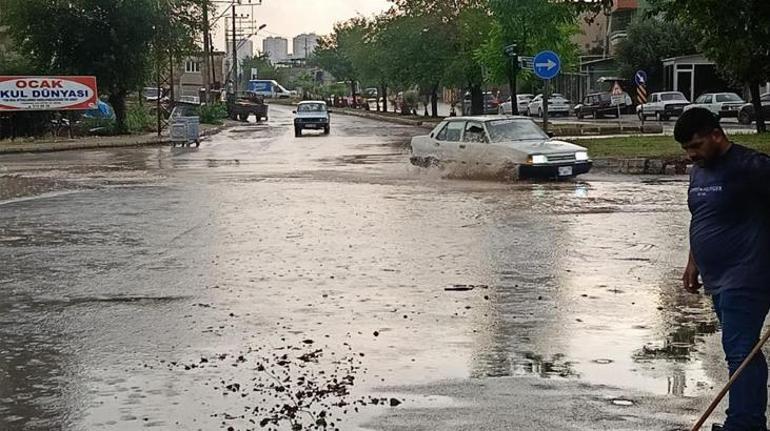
<point>643,166</point>
<point>386,118</point>
<point>47,147</point>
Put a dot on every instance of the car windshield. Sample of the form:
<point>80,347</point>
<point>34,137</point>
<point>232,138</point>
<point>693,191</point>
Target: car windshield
<point>311,107</point>
<point>514,130</point>
<point>729,97</point>
<point>672,96</point>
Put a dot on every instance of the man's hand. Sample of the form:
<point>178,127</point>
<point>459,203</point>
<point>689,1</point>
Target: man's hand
<point>690,278</point>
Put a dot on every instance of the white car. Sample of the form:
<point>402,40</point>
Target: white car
<point>721,104</point>
<point>663,105</point>
<point>522,103</point>
<point>509,144</point>
<point>311,114</point>
<point>557,105</point>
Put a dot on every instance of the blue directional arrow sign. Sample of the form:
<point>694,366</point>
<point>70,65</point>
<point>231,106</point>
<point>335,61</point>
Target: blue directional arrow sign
<point>640,77</point>
<point>546,65</point>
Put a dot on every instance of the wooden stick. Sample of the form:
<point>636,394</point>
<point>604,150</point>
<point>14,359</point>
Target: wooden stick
<point>732,380</point>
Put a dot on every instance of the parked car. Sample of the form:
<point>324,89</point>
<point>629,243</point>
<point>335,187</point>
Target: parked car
<point>746,113</point>
<point>311,114</point>
<point>721,104</point>
<point>522,102</point>
<point>598,105</point>
<point>502,143</point>
<point>491,104</point>
<point>663,105</point>
<point>557,105</point>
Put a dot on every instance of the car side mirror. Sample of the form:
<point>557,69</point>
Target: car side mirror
<point>550,134</point>
<point>293,112</point>
<point>431,135</point>
<point>330,111</point>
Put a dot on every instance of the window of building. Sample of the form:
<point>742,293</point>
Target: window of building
<point>192,66</point>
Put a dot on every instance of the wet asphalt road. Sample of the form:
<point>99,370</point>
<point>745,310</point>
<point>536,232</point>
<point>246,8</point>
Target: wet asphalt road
<point>194,289</point>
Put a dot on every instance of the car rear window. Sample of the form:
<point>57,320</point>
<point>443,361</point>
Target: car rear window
<point>311,107</point>
<point>732,97</point>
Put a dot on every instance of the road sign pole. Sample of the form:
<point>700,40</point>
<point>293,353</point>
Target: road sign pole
<point>546,96</point>
<point>546,65</point>
<point>640,78</point>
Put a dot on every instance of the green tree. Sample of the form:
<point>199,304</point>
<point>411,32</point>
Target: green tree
<point>649,40</point>
<point>439,40</point>
<point>334,52</point>
<point>734,34</point>
<point>533,25</point>
<point>111,39</point>
<point>265,69</point>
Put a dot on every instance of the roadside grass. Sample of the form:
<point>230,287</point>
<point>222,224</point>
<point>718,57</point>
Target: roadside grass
<point>657,147</point>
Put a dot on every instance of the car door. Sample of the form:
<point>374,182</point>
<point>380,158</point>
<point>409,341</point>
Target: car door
<point>446,143</point>
<point>657,104</point>
<point>709,103</point>
<point>534,105</point>
<point>474,145</point>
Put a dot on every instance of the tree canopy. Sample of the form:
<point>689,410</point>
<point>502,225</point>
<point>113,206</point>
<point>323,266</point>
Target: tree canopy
<point>114,40</point>
<point>734,34</point>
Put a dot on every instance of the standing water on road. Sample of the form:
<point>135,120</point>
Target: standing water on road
<point>191,288</point>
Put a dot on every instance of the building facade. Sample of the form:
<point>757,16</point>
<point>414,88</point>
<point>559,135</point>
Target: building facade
<point>304,45</point>
<point>276,48</point>
<point>189,78</point>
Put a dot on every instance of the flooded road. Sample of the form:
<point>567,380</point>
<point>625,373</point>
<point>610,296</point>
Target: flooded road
<point>265,280</point>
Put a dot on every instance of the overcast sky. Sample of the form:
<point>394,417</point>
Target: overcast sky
<point>288,18</point>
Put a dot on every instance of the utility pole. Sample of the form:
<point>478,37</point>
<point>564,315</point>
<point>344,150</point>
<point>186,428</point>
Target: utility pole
<point>207,65</point>
<point>235,54</point>
<point>513,52</point>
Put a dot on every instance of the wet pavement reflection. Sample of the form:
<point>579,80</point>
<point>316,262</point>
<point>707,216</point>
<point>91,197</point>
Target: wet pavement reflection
<point>124,268</point>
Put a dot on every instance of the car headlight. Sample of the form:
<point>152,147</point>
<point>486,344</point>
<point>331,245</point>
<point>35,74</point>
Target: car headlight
<point>581,156</point>
<point>538,159</point>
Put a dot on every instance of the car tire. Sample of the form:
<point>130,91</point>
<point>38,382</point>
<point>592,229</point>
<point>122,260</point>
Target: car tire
<point>641,116</point>
<point>326,130</point>
<point>297,132</point>
<point>744,117</point>
<point>579,115</point>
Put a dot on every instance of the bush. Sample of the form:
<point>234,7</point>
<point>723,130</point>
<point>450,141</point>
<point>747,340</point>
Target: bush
<point>96,126</point>
<point>212,113</point>
<point>139,119</point>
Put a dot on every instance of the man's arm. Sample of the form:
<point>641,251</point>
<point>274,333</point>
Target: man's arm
<point>759,172</point>
<point>690,278</point>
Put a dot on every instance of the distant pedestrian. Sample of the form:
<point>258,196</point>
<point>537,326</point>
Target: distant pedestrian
<point>729,199</point>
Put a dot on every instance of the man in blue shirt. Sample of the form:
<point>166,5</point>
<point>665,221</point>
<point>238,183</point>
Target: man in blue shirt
<point>729,199</point>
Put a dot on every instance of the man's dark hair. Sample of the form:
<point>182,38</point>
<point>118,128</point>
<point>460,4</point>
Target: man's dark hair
<point>695,121</point>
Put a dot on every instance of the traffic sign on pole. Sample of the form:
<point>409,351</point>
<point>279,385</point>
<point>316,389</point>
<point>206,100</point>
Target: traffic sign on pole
<point>546,65</point>
<point>617,95</point>
<point>640,78</point>
<point>527,62</point>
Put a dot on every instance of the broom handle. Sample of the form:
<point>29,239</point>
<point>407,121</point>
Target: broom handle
<point>730,382</point>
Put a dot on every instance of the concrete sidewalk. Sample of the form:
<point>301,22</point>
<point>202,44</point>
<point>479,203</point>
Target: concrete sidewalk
<point>94,142</point>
